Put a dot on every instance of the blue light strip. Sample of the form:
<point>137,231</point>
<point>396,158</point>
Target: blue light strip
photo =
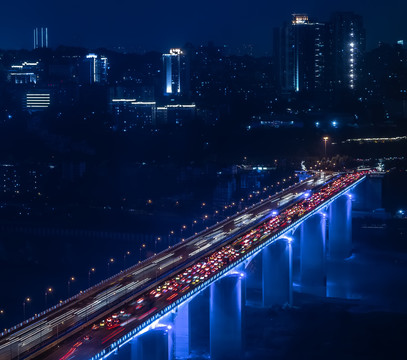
<point>126,338</point>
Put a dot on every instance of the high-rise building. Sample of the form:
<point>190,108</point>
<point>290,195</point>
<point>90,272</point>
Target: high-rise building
<point>94,69</point>
<point>299,53</point>
<point>176,73</point>
<point>40,38</point>
<point>347,49</point>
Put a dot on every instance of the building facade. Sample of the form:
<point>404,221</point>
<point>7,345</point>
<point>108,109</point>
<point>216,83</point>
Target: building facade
<point>348,42</point>
<point>300,54</point>
<point>176,73</point>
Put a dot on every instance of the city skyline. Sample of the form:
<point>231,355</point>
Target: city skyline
<point>159,26</point>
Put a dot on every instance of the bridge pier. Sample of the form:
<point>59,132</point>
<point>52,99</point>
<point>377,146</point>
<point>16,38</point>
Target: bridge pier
<point>312,260</point>
<point>254,280</point>
<point>181,336</point>
<point>277,273</point>
<point>227,299</point>
<point>340,228</point>
<point>199,323</point>
<point>155,344</point>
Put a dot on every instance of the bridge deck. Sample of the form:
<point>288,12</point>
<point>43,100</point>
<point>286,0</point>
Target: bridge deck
<point>147,291</point>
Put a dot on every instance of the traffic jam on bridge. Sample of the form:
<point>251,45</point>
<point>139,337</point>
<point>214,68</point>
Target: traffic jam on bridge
<point>170,290</point>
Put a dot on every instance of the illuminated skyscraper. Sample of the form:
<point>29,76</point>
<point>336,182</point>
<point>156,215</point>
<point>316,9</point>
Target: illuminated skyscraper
<point>94,69</point>
<point>299,52</point>
<point>348,47</point>
<point>40,38</point>
<point>176,73</point>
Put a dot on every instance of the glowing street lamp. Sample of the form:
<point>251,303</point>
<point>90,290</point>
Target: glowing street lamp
<point>91,271</point>
<point>110,261</point>
<point>155,245</point>
<point>71,279</point>
<point>26,301</point>
<point>127,253</point>
<point>325,139</point>
<point>141,248</point>
<point>48,291</point>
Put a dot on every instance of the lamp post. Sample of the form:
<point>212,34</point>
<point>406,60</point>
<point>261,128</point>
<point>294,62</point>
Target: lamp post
<point>91,271</point>
<point>325,139</point>
<point>26,301</point>
<point>71,279</point>
<point>127,253</point>
<point>141,248</point>
<point>183,228</point>
<point>47,292</point>
<point>1,313</point>
<point>110,261</point>
<point>170,237</point>
<point>155,245</point>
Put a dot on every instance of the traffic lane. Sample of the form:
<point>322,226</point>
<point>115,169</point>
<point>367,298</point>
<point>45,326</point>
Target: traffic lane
<point>113,336</point>
<point>259,208</point>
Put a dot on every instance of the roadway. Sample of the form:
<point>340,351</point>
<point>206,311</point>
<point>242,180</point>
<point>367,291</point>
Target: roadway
<point>67,331</point>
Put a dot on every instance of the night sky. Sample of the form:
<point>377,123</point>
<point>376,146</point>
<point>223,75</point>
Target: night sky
<point>161,24</point>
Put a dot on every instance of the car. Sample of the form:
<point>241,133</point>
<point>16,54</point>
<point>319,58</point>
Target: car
<point>102,323</point>
<point>112,325</point>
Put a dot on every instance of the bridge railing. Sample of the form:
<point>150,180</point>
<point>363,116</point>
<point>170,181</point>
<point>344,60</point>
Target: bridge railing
<point>126,338</point>
<point>135,266</point>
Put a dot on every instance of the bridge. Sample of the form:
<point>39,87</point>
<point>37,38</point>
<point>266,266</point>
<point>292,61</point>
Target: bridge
<point>149,304</point>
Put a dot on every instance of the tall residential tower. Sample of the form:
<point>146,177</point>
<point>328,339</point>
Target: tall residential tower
<point>299,51</point>
<point>348,41</point>
<point>176,73</point>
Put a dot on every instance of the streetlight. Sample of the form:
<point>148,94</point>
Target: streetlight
<point>325,139</point>
<point>194,223</point>
<point>91,271</point>
<point>26,301</point>
<point>127,253</point>
<point>110,261</point>
<point>141,247</point>
<point>72,278</point>
<point>183,228</point>
<point>47,291</point>
<point>155,245</point>
<point>170,237</point>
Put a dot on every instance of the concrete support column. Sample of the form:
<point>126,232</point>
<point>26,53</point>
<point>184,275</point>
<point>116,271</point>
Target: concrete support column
<point>254,280</point>
<point>181,336</point>
<point>340,228</point>
<point>198,309</point>
<point>277,273</point>
<point>155,344</point>
<point>226,318</point>
<point>313,277</point>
